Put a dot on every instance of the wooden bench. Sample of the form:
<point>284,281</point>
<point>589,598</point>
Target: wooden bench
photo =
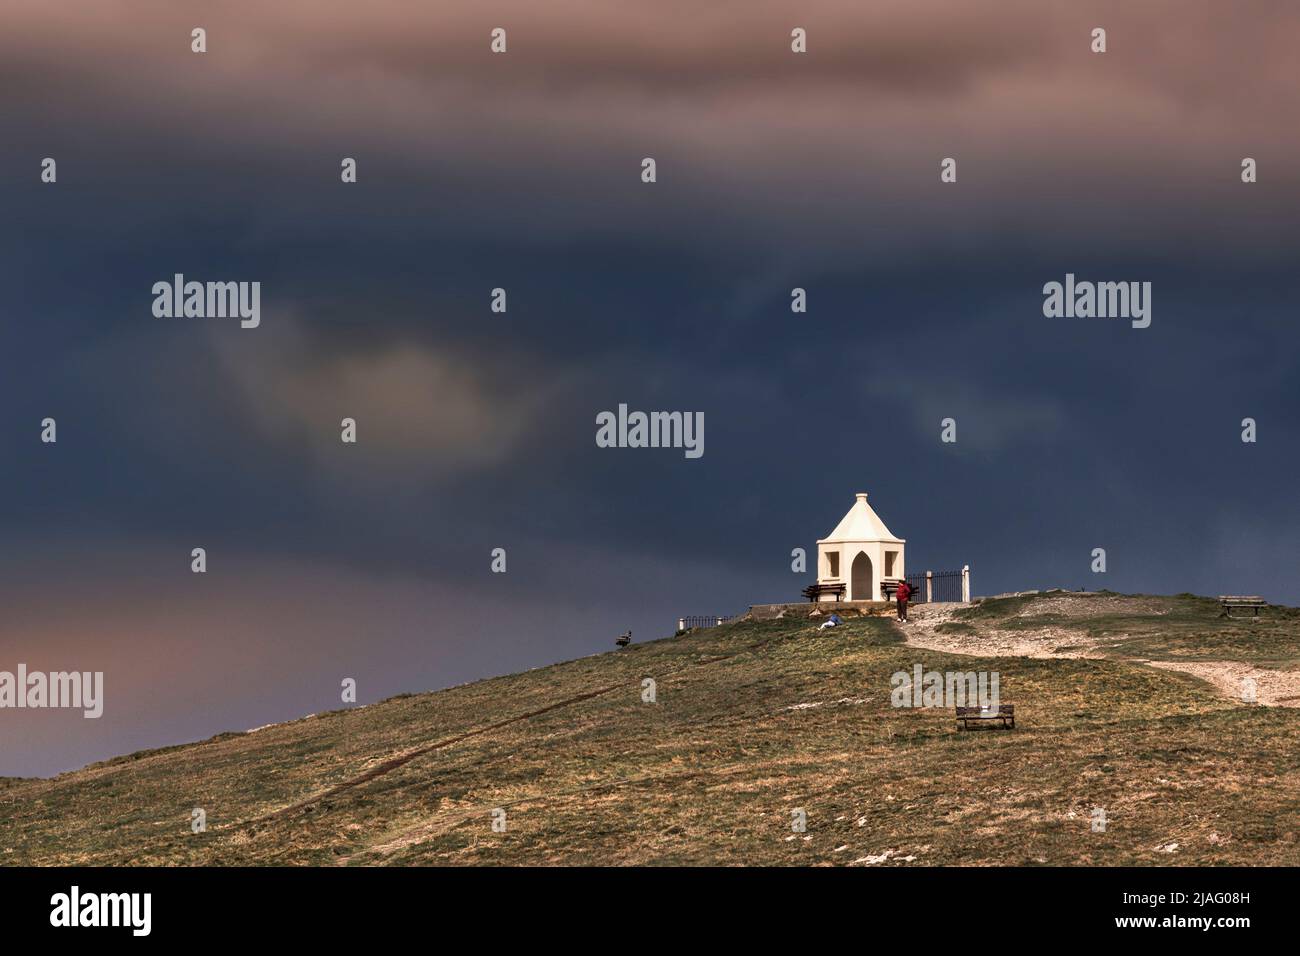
<point>814,592</point>
<point>1006,713</point>
<point>1231,602</point>
<point>889,590</point>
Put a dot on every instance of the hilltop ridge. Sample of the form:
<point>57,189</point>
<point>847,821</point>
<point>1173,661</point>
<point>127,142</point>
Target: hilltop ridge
<point>751,722</point>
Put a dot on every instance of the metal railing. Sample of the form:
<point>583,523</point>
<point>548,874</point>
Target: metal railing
<point>935,586</point>
<point>697,620</point>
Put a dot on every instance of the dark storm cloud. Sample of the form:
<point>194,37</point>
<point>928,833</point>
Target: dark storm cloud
<point>755,143</point>
<point>476,429</point>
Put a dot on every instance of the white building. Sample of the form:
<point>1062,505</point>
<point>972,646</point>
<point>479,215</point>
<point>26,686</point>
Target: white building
<point>857,556</point>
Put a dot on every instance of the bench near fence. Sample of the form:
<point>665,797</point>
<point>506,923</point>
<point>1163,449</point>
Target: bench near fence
<point>1006,713</point>
<point>889,591</point>
<point>813,592</point>
<point>1233,602</point>
<point>927,586</point>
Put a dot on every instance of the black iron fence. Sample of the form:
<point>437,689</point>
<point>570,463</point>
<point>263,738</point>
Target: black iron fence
<point>698,620</point>
<point>944,586</point>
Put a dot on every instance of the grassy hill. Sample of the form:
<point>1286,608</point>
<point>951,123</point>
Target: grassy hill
<point>752,721</point>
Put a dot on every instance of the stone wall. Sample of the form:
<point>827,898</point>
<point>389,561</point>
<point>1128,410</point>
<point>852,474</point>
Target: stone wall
<point>766,612</point>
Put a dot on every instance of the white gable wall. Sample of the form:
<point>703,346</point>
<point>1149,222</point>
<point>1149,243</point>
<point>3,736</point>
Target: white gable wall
<point>847,551</point>
<point>860,532</point>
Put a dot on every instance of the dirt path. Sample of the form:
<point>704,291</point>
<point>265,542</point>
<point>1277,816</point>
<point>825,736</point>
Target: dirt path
<point>1273,688</point>
<point>388,766</point>
<point>922,631</point>
<point>401,759</point>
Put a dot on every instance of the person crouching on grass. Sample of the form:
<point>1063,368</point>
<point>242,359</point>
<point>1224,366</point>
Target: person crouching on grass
<point>902,595</point>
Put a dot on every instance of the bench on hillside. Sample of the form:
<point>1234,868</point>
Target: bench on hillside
<point>1233,602</point>
<point>1006,713</point>
<point>813,592</point>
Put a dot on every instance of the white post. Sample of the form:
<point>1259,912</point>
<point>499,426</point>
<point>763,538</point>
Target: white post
<point>681,624</point>
<point>929,586</point>
<point>719,622</point>
<point>965,584</point>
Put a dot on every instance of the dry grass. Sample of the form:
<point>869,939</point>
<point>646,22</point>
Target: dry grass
<point>711,773</point>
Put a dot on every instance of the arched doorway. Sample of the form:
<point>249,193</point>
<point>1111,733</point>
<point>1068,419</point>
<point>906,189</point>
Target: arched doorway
<point>860,578</point>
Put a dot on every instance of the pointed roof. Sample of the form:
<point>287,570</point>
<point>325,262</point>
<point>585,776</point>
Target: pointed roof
<point>860,524</point>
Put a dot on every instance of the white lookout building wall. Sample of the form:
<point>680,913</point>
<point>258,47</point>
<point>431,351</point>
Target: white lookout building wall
<point>860,553</point>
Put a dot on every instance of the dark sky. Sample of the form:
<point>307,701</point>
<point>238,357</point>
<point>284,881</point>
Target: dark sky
<point>476,430</point>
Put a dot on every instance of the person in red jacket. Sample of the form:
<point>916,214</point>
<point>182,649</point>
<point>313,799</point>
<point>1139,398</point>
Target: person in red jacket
<point>902,595</point>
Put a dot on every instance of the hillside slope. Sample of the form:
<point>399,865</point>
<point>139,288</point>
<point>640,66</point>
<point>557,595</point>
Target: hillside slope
<point>1184,633</point>
<point>752,722</point>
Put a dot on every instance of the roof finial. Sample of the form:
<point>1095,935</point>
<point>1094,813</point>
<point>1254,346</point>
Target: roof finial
<point>862,496</point>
